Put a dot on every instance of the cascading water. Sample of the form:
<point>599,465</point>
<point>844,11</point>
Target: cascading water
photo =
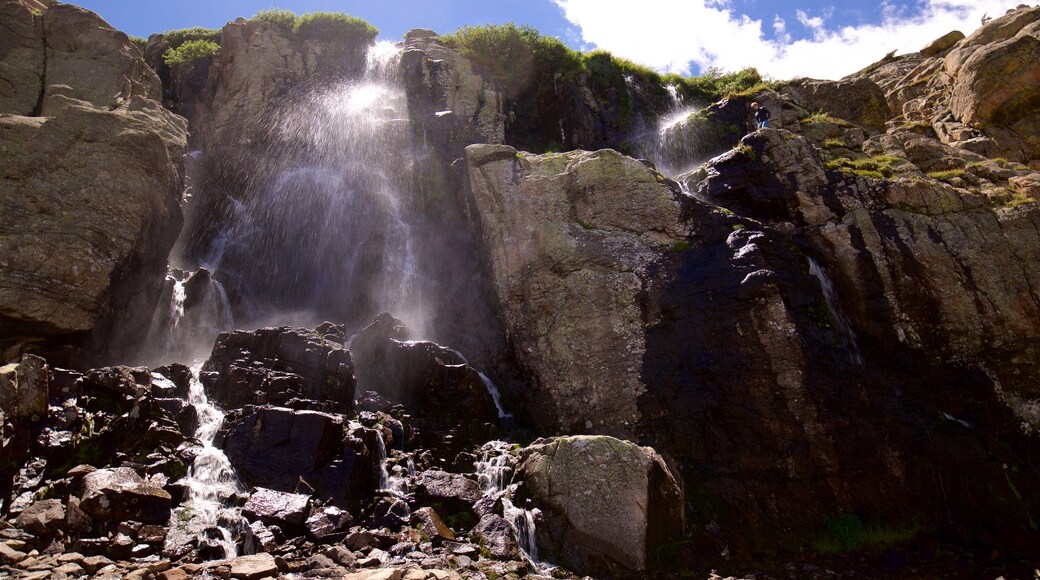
<point>183,326</point>
<point>848,336</point>
<point>324,229</point>
<point>211,482</point>
<point>494,470</point>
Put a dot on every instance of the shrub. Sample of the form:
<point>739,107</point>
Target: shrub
<point>333,25</point>
<point>175,38</point>
<point>284,19</point>
<point>190,51</point>
<point>847,533</point>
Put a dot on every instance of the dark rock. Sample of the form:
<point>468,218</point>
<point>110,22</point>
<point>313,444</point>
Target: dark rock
<point>271,506</point>
<point>179,377</point>
<point>282,363</point>
<point>121,380</point>
<point>275,447</point>
<point>362,540</point>
<point>24,388</point>
<point>456,493</point>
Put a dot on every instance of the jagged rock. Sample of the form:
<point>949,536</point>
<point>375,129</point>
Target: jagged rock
<point>24,388</point>
<point>120,494</point>
<point>637,506</point>
<point>276,447</point>
<point>179,381</point>
<point>282,363</point>
<point>43,517</point>
<point>858,100</point>
<point>131,381</point>
<point>570,244</point>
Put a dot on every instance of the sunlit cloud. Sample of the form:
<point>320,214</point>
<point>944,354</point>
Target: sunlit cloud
<point>686,35</point>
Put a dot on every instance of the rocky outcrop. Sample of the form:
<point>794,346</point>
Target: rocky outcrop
<point>572,238</point>
<point>636,508</point>
<point>977,92</point>
<point>277,365</point>
<point>121,494</point>
<point>84,247</point>
<point>857,100</point>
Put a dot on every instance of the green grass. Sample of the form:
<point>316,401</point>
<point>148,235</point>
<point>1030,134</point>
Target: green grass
<point>822,117</point>
<point>755,89</point>
<point>833,144</point>
<point>847,533</point>
<point>946,175</point>
<point>1019,199</point>
<point>139,42</point>
<point>879,167</point>
<point>191,51</point>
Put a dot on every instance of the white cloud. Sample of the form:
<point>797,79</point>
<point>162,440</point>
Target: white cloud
<point>670,34</point>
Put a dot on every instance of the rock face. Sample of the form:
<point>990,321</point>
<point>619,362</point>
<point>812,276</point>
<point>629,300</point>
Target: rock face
<point>857,100</point>
<point>572,238</point>
<point>120,494</point>
<point>90,191</point>
<point>635,506</point>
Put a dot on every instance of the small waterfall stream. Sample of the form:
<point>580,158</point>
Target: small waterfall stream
<point>494,470</point>
<point>848,336</point>
<point>211,482</point>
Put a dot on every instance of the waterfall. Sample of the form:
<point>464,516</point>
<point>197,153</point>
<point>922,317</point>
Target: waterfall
<point>494,469</point>
<point>848,336</point>
<point>210,483</point>
<point>188,319</point>
<point>324,229</point>
<point>495,396</point>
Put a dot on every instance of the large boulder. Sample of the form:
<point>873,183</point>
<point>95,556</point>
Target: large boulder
<point>571,237</point>
<point>286,450</point>
<point>996,86</point>
<point>120,494</point>
<point>858,100</point>
<point>90,209</point>
<point>637,505</point>
<point>22,58</point>
<point>279,364</point>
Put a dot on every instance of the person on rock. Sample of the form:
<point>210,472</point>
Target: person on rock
<point>762,115</point>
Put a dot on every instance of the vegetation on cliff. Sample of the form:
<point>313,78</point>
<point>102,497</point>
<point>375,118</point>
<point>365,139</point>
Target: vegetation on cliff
<point>319,25</point>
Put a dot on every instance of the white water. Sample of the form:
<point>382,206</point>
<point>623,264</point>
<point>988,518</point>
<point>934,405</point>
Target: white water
<point>325,232</point>
<point>494,471</point>
<point>495,396</point>
<point>179,332</point>
<point>848,336</point>
<point>210,481</point>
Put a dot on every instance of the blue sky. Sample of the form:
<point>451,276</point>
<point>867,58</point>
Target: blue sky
<point>782,38</point>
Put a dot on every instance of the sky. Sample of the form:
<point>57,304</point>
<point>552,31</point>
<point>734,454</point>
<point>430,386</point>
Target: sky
<point>783,39</point>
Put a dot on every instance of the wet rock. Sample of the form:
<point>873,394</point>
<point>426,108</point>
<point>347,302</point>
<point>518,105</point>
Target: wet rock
<point>121,380</point>
<point>275,447</point>
<point>637,506</point>
<point>433,382</point>
<point>179,377</point>
<point>271,506</point>
<point>121,494</point>
<point>282,363</point>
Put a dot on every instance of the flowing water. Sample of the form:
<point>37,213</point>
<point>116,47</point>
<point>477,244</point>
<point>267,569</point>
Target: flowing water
<point>207,511</point>
<point>183,327</point>
<point>494,472</point>
<point>848,336</point>
<point>325,230</point>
